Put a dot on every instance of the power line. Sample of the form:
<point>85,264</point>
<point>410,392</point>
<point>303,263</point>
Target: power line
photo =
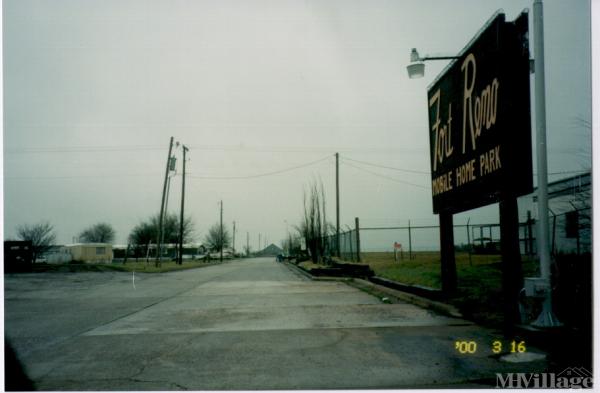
<point>110,176</point>
<point>188,175</point>
<point>260,174</point>
<point>387,177</point>
<point>240,148</point>
<point>80,149</point>
<point>141,147</point>
<point>429,173</point>
<point>387,167</point>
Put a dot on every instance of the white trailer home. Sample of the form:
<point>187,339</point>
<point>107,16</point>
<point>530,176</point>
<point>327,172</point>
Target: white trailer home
<point>91,252</point>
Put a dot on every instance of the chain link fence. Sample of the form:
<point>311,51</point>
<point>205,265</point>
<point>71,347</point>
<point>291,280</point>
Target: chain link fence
<point>570,233</point>
<point>349,247</point>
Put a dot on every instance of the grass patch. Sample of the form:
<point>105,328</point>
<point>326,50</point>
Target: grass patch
<point>479,290</point>
<point>310,265</point>
<point>422,270</point>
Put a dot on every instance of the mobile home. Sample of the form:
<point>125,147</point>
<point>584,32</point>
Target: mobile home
<point>91,252</point>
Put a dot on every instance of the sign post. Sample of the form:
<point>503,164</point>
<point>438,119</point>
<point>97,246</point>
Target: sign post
<point>480,142</point>
<point>448,260</point>
<point>397,247</point>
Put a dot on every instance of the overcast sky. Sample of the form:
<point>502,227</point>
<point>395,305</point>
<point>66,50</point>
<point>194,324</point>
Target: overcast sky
<point>93,90</point>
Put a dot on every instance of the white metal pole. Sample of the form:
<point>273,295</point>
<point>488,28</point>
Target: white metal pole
<point>546,318</point>
<point>540,122</point>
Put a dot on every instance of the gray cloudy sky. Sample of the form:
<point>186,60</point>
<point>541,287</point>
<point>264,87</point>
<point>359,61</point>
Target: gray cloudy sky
<point>94,89</point>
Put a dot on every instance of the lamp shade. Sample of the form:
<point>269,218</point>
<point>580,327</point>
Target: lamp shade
<point>416,70</point>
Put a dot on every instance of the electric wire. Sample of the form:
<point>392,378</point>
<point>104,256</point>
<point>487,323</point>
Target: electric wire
<point>80,149</point>
<point>230,148</point>
<point>429,173</point>
<point>259,174</point>
<point>387,177</point>
<point>104,176</point>
<point>386,167</point>
<point>345,160</point>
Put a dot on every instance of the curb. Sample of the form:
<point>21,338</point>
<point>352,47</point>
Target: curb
<point>418,290</point>
<point>378,290</point>
<point>306,274</point>
<point>297,269</point>
<point>382,291</point>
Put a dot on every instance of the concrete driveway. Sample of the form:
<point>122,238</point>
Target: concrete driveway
<point>246,324</point>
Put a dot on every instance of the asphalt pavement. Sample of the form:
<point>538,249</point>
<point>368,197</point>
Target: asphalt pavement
<point>246,324</point>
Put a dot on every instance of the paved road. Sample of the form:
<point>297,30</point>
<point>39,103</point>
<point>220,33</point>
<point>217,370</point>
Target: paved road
<point>248,324</point>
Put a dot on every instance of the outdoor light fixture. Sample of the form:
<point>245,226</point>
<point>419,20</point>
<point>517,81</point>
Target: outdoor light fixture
<point>416,68</point>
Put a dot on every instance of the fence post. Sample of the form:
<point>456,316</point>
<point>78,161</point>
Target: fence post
<point>448,260</point>
<point>530,232</point>
<point>481,235</point>
<point>554,234</point>
<point>350,244</point>
<point>357,239</point>
<point>410,257</point>
<point>469,242</point>
<point>578,237</point>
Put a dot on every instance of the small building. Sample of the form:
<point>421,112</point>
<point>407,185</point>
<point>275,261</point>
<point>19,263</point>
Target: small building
<point>18,255</point>
<point>270,251</point>
<point>58,254</point>
<point>91,252</point>
<point>569,218</point>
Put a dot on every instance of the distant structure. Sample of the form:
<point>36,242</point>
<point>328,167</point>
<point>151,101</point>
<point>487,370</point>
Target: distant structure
<point>79,252</point>
<point>169,251</point>
<point>270,251</point>
<point>91,252</point>
<point>570,216</point>
<point>18,255</point>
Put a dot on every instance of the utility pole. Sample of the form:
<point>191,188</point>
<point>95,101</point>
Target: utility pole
<point>221,235</point>
<point>233,241</point>
<point>247,244</point>
<point>162,238</point>
<point>162,205</point>
<point>172,167</point>
<point>259,242</point>
<point>337,203</point>
<point>185,149</point>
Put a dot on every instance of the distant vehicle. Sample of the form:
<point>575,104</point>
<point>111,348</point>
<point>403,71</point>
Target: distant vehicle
<point>217,255</point>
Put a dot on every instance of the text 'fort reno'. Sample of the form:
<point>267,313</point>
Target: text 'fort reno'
<point>480,110</point>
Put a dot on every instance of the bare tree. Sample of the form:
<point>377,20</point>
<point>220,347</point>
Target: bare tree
<point>291,244</point>
<point>314,227</point>
<point>215,241</point>
<point>41,235</point>
<point>98,233</point>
